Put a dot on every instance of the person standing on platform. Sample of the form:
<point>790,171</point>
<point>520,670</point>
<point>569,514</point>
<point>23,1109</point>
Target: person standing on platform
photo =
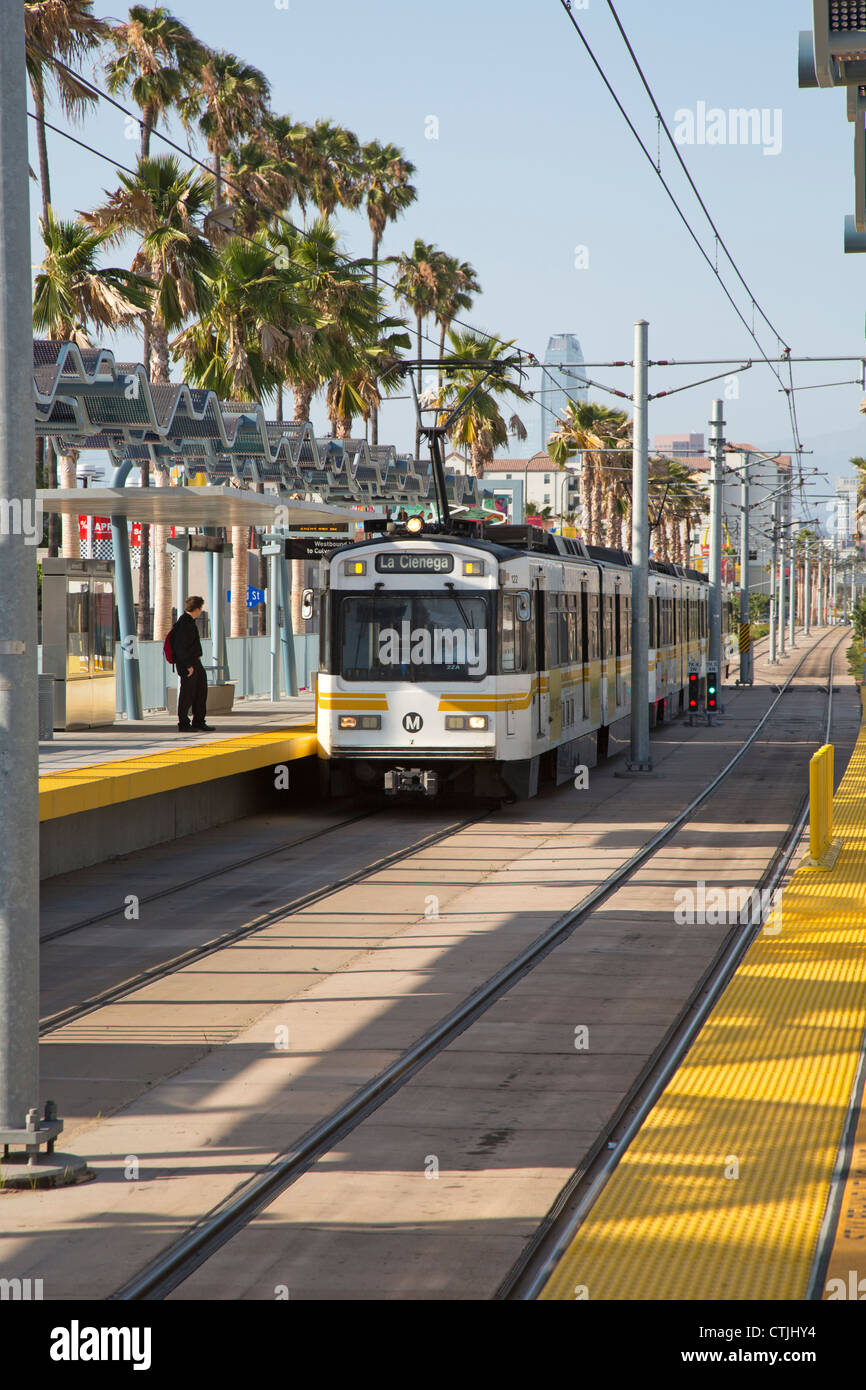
<point>186,646</point>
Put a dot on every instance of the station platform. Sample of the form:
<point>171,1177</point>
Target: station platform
<point>108,791</point>
<point>744,1182</point>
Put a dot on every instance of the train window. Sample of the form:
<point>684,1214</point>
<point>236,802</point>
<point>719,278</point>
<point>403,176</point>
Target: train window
<point>608,625</point>
<point>413,636</point>
<point>325,662</point>
<point>652,623</point>
<point>551,630</point>
<point>513,635</point>
<point>507,634</point>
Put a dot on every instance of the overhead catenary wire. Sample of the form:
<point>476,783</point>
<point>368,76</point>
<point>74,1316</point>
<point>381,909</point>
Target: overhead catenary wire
<point>566,5</point>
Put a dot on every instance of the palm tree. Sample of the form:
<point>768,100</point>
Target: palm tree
<point>252,327</point>
<point>387,194</point>
<point>481,426</point>
<point>158,60</point>
<point>418,287</point>
<point>457,283</point>
<point>598,434</point>
<point>65,30</point>
<point>334,170</point>
<point>165,207</point>
<point>74,293</point>
<point>366,369</point>
<point>231,101</point>
<point>68,32</point>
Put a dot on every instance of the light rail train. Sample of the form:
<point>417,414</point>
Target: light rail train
<point>490,666</point>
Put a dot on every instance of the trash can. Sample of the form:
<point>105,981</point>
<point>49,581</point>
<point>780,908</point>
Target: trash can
<point>46,706</point>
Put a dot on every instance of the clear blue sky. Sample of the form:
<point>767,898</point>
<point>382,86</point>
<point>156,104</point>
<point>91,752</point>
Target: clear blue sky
<point>533,160</point>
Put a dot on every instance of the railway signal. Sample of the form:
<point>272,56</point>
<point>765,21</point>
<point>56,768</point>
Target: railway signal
<point>712,688</point>
<point>693,690</point>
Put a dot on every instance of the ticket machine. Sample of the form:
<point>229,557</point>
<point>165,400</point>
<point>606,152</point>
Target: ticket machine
<point>78,626</point>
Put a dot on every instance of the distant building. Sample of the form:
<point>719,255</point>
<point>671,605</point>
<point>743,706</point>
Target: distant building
<point>679,446</point>
<point>846,512</point>
<point>563,380</point>
<point>766,477</point>
<point>544,485</point>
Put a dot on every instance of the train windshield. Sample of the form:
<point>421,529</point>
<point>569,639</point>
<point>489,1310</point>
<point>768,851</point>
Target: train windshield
<point>414,637</point>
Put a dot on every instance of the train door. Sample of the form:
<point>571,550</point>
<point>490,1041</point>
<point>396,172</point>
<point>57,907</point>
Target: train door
<point>540,699</point>
<point>618,616</point>
<point>605,649</point>
<point>585,649</point>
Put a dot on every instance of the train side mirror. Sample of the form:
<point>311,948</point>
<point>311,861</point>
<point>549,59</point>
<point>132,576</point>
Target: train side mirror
<point>523,606</point>
<point>307,604</point>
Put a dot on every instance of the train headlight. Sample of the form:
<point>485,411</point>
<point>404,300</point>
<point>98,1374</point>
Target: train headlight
<point>360,721</point>
<point>478,721</point>
<point>353,567</point>
<point>473,566</point>
<point>457,723</point>
<point>415,524</point>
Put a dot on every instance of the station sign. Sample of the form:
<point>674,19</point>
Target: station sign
<point>314,547</point>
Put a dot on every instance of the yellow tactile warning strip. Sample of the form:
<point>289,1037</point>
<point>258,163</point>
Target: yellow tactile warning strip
<point>846,1271</point>
<point>109,784</point>
<point>722,1193</point>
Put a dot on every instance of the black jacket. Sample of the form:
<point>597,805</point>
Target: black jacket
<point>185,643</point>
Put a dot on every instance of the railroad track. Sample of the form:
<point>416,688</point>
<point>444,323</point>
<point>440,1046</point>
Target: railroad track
<point>530,1274</point>
<point>62,1017</point>
<point>158,1278</point>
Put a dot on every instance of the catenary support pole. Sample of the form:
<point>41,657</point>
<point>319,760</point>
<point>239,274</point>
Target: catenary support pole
<point>807,594</point>
<point>791,590</point>
<point>745,627</point>
<point>131,668</point>
<point>774,582</point>
<point>273,623</point>
<point>19,773</point>
<point>717,425</point>
<point>640,754</point>
<point>782,589</point>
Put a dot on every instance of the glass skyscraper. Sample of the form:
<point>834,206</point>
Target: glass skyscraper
<point>563,379</point>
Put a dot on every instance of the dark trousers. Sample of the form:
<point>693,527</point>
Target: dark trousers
<point>193,695</point>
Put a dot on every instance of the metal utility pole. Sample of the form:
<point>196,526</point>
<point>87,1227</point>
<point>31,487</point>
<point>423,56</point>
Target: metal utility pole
<point>640,760</point>
<point>807,594</point>
<point>746,677</point>
<point>792,591</point>
<point>782,596</point>
<point>819,616</point>
<point>774,582</point>
<point>19,773</point>
<point>717,423</point>
<point>20,1123</point>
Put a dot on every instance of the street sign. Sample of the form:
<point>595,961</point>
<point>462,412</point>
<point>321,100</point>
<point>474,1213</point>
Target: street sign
<point>254,596</point>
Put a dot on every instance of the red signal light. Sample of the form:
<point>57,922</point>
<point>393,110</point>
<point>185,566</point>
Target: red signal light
<point>693,690</point>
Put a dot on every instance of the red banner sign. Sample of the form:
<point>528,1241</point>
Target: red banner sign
<point>102,530</point>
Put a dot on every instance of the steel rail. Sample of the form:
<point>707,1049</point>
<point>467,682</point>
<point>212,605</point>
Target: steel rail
<point>532,1270</point>
<point>71,1014</point>
<point>203,878</point>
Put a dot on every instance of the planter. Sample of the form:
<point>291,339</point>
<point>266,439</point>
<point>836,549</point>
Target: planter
<point>220,698</point>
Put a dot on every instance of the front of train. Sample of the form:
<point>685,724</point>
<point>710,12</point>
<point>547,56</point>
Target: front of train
<point>406,691</point>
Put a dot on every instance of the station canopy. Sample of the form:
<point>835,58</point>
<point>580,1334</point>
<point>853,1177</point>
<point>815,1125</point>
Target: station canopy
<point>192,506</point>
<point>86,400</point>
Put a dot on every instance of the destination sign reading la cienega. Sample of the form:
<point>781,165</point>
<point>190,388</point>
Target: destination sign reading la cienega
<point>407,562</point>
